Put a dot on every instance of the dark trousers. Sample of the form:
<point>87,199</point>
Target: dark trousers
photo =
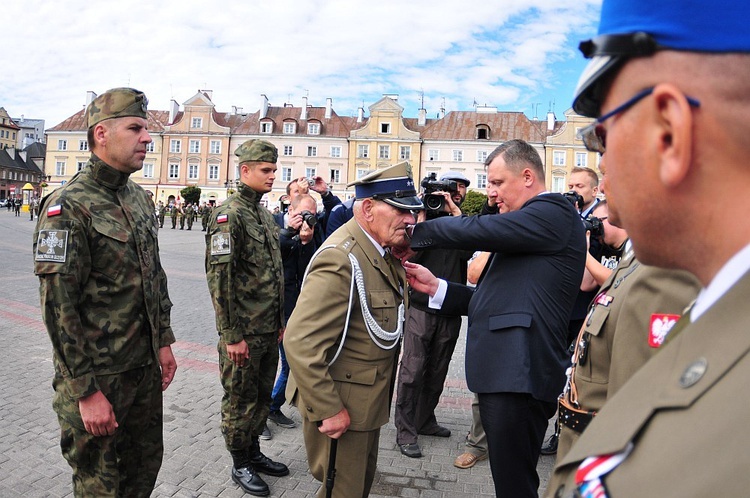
<point>429,342</point>
<point>515,424</point>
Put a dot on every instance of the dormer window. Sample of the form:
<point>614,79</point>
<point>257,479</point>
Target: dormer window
<point>313,128</point>
<point>266,127</point>
<point>290,128</point>
<point>483,132</point>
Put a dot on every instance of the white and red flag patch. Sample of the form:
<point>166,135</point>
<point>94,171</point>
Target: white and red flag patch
<point>54,210</point>
<point>222,218</point>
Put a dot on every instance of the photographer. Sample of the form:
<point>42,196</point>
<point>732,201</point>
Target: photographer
<point>303,185</point>
<point>429,337</point>
<point>613,241</point>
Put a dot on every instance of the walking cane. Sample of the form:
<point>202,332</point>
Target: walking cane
<point>331,474</point>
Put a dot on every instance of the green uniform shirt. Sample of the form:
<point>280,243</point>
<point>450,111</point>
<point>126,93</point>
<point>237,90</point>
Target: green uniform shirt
<point>103,291</point>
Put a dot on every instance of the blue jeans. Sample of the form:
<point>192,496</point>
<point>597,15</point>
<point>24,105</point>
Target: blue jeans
<point>278,396</point>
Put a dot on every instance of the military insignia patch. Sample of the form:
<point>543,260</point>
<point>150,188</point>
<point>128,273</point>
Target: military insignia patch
<point>221,243</point>
<point>54,210</point>
<point>52,246</point>
<point>660,326</point>
<point>222,218</point>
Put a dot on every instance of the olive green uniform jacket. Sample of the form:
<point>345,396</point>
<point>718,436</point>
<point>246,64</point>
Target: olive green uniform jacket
<point>685,412</point>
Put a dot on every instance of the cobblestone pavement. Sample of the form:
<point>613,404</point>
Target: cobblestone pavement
<point>195,461</point>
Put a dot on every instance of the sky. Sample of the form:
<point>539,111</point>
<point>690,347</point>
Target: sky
<point>517,55</point>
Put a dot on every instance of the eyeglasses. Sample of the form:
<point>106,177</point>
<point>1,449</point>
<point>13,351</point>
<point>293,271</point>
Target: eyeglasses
<point>594,136</point>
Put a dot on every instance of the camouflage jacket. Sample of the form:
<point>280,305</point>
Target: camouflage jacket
<point>102,287</point>
<point>243,268</point>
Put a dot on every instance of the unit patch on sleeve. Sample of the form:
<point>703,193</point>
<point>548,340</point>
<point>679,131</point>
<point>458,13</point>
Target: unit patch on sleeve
<point>660,326</point>
<point>221,243</point>
<point>52,246</point>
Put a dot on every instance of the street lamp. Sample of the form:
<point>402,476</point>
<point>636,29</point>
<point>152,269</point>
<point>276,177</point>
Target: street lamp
<point>230,185</point>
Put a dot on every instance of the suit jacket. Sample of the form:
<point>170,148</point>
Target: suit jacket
<point>685,411</point>
<point>518,314</point>
<point>361,377</point>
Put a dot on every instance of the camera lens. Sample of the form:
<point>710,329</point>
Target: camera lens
<point>433,202</point>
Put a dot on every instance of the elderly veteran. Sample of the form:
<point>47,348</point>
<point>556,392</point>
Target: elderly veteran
<point>105,305</point>
<point>669,84</point>
<point>343,356</point>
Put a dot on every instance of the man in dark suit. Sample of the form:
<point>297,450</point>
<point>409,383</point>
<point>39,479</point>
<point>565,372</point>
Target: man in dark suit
<point>516,345</point>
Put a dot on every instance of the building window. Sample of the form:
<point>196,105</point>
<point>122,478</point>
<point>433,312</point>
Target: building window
<point>581,159</point>
<point>62,145</point>
<point>80,165</point>
<point>483,133</point>
<point>458,155</point>
<point>192,171</point>
<point>363,151</point>
<point>335,151</point>
<point>310,173</point>
<point>215,146</point>
<point>313,128</point>
<point>312,151</point>
<point>404,152</point>
<point>481,180</point>
<point>558,158</point>
<point>150,146</point>
<point>266,127</point>
<point>175,146</point>
<point>83,145</point>
<point>290,128</point>
<point>288,150</point>
<point>174,171</point>
<point>286,174</point>
<point>361,172</point>
<point>433,155</point>
<point>148,170</point>
<point>196,123</point>
<point>558,183</point>
<point>384,152</point>
<point>481,156</point>
<point>385,128</point>
<point>195,146</point>
<point>335,176</point>
<point>213,171</point>
<point>59,168</point>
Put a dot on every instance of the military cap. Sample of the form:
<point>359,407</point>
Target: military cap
<point>257,151</point>
<point>638,29</point>
<point>455,176</point>
<point>116,103</point>
<point>394,185</point>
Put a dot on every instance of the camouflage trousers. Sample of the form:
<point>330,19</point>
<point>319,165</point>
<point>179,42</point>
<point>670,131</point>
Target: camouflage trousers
<point>247,390</point>
<point>125,464</point>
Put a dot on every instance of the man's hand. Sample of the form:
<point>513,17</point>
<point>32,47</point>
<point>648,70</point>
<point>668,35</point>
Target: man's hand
<point>97,414</point>
<point>402,253</point>
<point>295,222</point>
<point>420,278</point>
<point>168,366</point>
<point>335,427</point>
<point>238,352</point>
<point>304,187</point>
<point>320,186</point>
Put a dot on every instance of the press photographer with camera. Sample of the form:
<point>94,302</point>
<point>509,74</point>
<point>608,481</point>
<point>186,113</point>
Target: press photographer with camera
<point>612,239</point>
<point>429,337</point>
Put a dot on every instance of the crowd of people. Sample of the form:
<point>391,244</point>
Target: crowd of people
<point>619,306</point>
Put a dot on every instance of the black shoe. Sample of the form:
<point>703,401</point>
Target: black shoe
<point>411,450</point>
<point>550,447</point>
<point>261,463</point>
<point>250,482</point>
<point>438,431</point>
<point>278,418</point>
<point>266,434</point>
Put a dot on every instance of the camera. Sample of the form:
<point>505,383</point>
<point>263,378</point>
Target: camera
<point>309,218</point>
<point>434,204</point>
<point>594,225</point>
<point>574,198</point>
<point>311,182</point>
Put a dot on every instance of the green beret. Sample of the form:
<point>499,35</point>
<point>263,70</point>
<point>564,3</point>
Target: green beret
<point>257,151</point>
<point>116,103</point>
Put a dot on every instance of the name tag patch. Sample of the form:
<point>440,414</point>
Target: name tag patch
<point>221,243</point>
<point>52,246</point>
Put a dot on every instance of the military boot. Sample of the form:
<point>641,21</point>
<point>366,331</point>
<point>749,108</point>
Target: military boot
<point>261,463</point>
<point>245,476</point>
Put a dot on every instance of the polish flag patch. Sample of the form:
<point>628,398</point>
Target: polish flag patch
<point>222,218</point>
<point>54,210</point>
<point>660,326</point>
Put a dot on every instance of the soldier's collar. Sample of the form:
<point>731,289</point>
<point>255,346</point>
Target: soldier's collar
<point>106,175</point>
<point>248,193</point>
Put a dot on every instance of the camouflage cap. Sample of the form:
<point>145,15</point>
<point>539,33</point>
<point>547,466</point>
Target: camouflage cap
<point>257,151</point>
<point>116,103</point>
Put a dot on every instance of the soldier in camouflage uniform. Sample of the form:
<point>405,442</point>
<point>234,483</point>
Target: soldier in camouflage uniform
<point>181,216</point>
<point>162,211</point>
<point>173,214</point>
<point>245,279</point>
<point>205,215</point>
<point>190,215</point>
<point>105,305</point>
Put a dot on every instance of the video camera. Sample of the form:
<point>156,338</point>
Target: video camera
<point>434,204</point>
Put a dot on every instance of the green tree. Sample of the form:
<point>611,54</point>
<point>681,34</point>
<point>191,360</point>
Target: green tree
<point>191,194</point>
<point>473,202</point>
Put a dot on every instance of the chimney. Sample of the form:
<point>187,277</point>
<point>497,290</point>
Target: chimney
<point>174,108</point>
<point>360,114</point>
<point>441,113</point>
<point>303,113</point>
<point>550,121</point>
<point>90,96</point>
<point>422,119</point>
<point>329,107</point>
<point>263,107</point>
